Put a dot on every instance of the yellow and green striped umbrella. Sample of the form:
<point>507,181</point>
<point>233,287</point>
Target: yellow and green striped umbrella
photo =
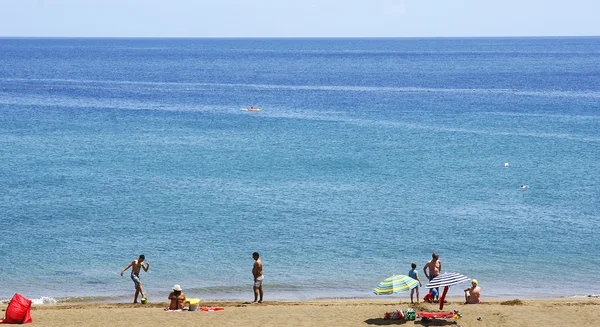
<point>395,284</point>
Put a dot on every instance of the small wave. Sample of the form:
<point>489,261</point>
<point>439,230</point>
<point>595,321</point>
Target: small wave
<point>66,273</point>
<point>44,300</point>
<point>544,115</point>
<point>96,282</point>
<point>47,300</point>
<point>588,296</point>
<point>86,299</point>
<point>437,128</point>
<point>195,86</point>
<point>241,288</point>
<point>41,300</point>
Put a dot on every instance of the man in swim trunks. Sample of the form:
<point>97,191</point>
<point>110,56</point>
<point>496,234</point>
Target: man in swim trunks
<point>135,275</point>
<point>258,278</point>
<point>434,266</point>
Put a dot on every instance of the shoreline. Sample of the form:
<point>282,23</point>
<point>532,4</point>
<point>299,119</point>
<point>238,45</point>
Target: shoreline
<point>324,302</point>
<point>336,313</point>
<point>240,298</point>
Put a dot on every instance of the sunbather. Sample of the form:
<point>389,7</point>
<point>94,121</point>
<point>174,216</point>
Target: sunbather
<point>177,298</point>
<point>473,293</point>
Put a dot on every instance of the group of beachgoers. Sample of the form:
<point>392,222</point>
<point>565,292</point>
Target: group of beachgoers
<point>177,297</point>
<point>431,270</point>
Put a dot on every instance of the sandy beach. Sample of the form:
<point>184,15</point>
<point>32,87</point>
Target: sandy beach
<point>561,312</point>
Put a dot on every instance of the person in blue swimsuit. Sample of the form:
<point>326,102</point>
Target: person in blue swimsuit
<point>414,275</point>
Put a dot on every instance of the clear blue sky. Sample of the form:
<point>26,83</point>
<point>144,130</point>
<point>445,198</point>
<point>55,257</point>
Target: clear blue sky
<point>298,18</point>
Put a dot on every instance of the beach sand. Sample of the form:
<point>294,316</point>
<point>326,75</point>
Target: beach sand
<point>572,312</point>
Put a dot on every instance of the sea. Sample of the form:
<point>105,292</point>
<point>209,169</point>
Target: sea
<point>369,154</point>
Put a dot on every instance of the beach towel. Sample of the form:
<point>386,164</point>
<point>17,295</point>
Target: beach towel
<point>18,311</point>
<point>428,316</point>
<point>211,309</point>
<point>442,315</point>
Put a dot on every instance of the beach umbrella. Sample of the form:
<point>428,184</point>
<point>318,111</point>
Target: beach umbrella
<point>396,284</point>
<point>446,280</point>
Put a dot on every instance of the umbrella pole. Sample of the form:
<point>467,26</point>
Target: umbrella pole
<point>443,297</point>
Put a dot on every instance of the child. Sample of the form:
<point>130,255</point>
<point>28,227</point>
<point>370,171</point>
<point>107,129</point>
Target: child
<point>414,275</point>
<point>429,297</point>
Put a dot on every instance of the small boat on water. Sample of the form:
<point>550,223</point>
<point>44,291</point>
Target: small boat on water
<point>251,109</point>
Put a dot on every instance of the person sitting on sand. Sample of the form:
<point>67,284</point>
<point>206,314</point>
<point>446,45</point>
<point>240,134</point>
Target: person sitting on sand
<point>177,298</point>
<point>473,293</point>
<point>430,297</point>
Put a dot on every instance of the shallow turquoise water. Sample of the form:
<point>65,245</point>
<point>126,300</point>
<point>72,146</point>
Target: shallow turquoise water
<point>369,154</point>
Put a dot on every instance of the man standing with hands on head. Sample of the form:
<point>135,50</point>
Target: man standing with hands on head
<point>258,278</point>
<point>135,275</point>
<point>435,267</point>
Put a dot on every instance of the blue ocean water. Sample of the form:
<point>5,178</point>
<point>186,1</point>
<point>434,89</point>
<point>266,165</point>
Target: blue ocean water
<point>369,154</point>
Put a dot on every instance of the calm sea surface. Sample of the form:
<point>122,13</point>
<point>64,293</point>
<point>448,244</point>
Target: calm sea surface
<point>369,154</point>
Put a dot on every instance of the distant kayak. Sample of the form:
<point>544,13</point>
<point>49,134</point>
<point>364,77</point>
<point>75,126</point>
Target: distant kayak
<point>251,109</point>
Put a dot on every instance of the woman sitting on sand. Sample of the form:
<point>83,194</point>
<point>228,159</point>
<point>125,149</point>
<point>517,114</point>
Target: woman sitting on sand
<point>472,293</point>
<point>177,298</point>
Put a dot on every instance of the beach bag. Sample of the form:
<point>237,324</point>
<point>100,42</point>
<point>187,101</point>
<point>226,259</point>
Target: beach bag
<point>18,311</point>
<point>397,315</point>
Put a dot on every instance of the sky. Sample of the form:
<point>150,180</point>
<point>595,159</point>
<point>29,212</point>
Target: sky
<point>298,18</point>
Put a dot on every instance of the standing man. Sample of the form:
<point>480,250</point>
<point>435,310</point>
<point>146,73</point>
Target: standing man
<point>135,275</point>
<point>435,267</point>
<point>258,278</point>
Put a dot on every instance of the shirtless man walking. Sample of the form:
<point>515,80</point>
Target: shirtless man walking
<point>258,278</point>
<point>434,266</point>
<point>135,275</point>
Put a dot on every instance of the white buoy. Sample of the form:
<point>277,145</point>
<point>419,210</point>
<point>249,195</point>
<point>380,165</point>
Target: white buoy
<point>506,165</point>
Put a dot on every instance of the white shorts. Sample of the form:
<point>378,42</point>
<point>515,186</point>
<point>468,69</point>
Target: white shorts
<point>259,281</point>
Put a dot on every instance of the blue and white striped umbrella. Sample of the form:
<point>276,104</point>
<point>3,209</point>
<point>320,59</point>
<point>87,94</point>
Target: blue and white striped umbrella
<point>447,279</point>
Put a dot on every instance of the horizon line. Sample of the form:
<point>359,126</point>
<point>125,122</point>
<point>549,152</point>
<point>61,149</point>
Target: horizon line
<point>298,37</point>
